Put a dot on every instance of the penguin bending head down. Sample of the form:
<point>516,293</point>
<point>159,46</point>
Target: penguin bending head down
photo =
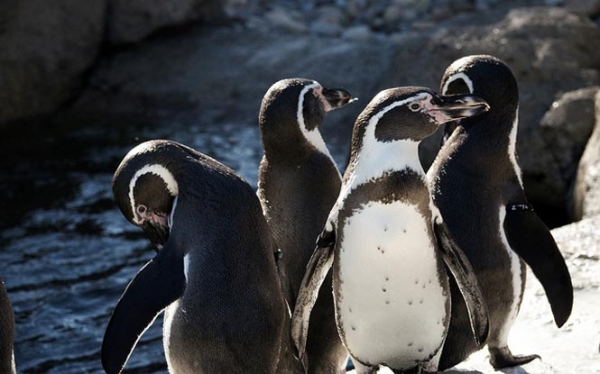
<point>388,244</point>
<point>214,272</point>
<point>476,183</point>
<point>298,183</point>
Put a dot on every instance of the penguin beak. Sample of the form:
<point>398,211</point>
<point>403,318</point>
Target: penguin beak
<point>157,233</point>
<point>336,98</point>
<point>455,107</point>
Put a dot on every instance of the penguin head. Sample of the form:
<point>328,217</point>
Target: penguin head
<point>292,110</point>
<point>146,191</point>
<point>488,78</point>
<point>411,113</point>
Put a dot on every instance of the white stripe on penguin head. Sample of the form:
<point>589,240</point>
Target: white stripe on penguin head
<point>158,170</point>
<point>456,77</point>
<point>314,136</point>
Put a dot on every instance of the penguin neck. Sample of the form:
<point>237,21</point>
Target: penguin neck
<point>294,148</point>
<point>377,160</point>
<point>314,138</point>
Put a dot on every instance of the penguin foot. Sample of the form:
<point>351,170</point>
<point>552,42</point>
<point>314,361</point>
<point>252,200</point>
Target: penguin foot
<point>503,358</point>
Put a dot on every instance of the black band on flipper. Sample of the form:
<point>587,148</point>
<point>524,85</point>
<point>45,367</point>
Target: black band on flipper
<point>326,239</point>
<point>278,255</point>
<point>519,207</point>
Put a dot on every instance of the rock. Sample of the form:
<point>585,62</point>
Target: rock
<point>130,21</point>
<point>565,129</point>
<point>586,194</point>
<point>46,47</point>
<point>589,8</point>
<point>444,9</point>
<point>329,21</point>
<point>281,19</point>
<point>324,28</point>
<point>357,33</point>
<point>404,10</point>
<point>579,243</point>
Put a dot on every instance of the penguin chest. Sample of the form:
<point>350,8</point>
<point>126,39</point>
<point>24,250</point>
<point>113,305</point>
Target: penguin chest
<point>391,292</point>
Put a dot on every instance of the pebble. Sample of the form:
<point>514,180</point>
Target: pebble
<point>282,19</point>
<point>360,33</point>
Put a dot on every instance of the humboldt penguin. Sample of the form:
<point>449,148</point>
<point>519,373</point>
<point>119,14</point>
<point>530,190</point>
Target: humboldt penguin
<point>477,185</point>
<point>388,244</point>
<point>214,273</point>
<point>298,183</point>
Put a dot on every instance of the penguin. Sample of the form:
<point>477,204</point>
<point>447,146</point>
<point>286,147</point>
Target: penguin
<point>7,333</point>
<point>298,183</point>
<point>477,185</point>
<point>214,273</point>
<point>387,244</point>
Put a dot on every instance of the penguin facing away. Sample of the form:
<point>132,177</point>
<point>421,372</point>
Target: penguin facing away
<point>214,272</point>
<point>298,183</point>
<point>7,333</point>
<point>387,243</point>
<point>476,184</point>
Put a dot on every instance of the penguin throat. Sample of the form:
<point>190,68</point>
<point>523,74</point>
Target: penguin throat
<point>379,159</point>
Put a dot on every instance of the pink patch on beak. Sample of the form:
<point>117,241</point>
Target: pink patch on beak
<point>158,218</point>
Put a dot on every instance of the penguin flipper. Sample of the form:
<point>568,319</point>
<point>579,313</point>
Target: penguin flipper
<point>158,284</point>
<point>531,239</point>
<point>316,271</point>
<point>463,273</point>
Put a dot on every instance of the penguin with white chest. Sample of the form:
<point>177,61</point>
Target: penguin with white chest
<point>388,245</point>
<point>476,184</point>
<point>298,183</point>
<point>214,272</point>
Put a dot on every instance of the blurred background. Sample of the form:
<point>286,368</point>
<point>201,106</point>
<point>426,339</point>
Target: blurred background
<point>82,82</point>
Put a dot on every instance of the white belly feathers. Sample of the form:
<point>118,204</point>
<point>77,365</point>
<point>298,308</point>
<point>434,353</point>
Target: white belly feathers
<point>388,279</point>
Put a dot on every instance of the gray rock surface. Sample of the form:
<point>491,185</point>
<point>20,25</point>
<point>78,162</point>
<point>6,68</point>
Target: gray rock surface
<point>130,21</point>
<point>586,200</point>
<point>565,130</point>
<point>588,7</point>
<point>46,47</point>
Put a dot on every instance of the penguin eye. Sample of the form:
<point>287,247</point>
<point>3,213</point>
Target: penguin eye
<point>414,107</point>
<point>141,209</point>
